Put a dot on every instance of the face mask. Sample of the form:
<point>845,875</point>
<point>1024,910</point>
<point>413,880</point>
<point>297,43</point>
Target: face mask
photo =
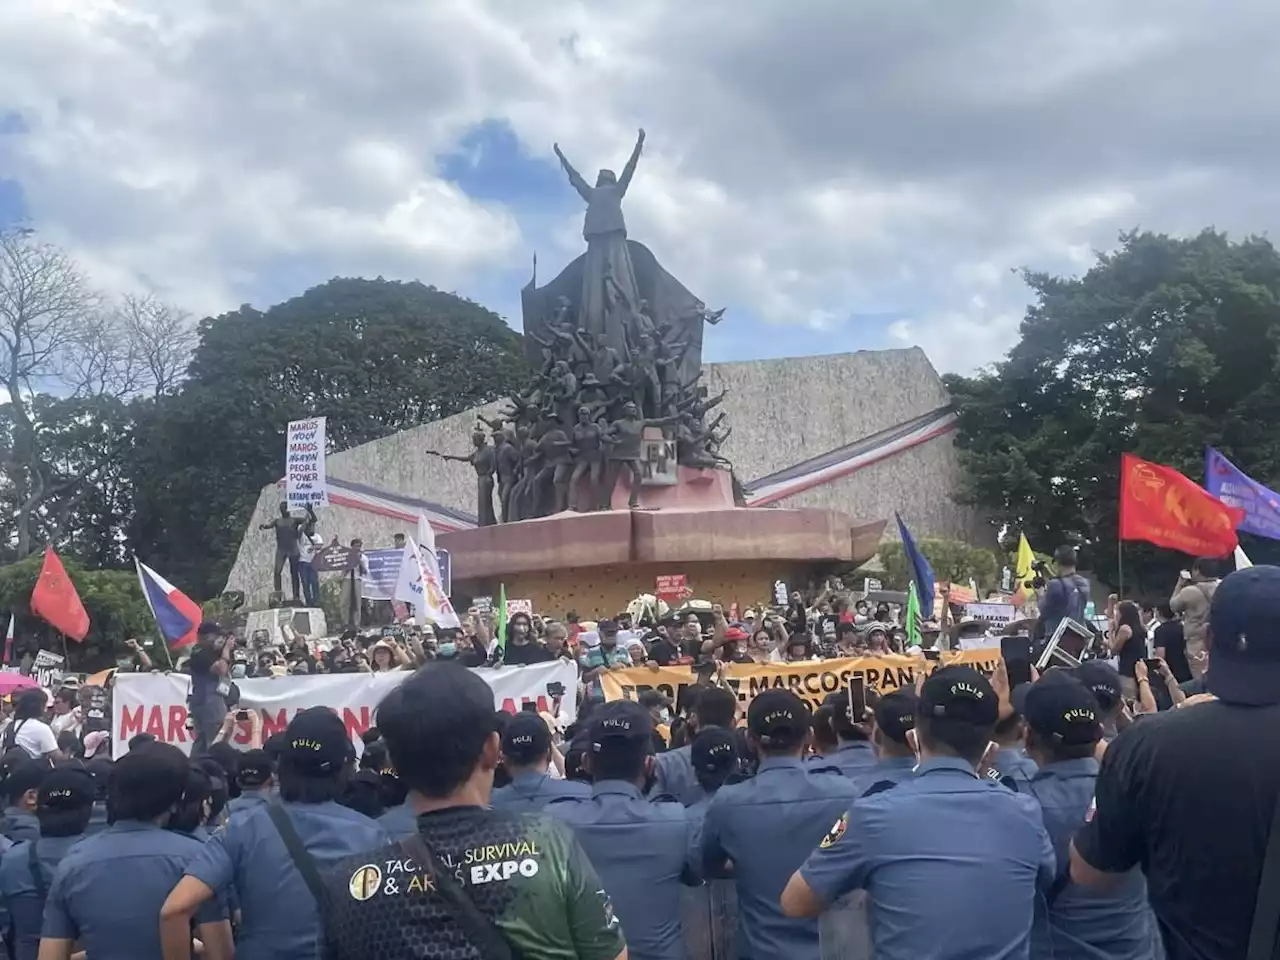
<point>448,649</point>
<point>664,715</point>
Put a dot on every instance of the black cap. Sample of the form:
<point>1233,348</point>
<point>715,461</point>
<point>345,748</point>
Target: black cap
<point>254,768</point>
<point>1102,679</point>
<point>714,751</point>
<point>526,738</point>
<point>896,714</point>
<point>778,717</point>
<point>26,775</point>
<point>65,789</point>
<point>620,720</point>
<point>316,742</point>
<point>1062,711</point>
<point>1244,619</point>
<point>959,693</point>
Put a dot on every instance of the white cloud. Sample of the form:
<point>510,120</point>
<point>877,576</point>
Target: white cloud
<point>804,164</point>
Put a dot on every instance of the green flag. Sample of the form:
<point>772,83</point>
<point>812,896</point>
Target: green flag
<point>913,616</point>
<point>500,621</point>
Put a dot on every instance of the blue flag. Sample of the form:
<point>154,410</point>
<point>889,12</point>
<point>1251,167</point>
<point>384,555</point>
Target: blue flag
<point>921,572</point>
<point>1261,506</point>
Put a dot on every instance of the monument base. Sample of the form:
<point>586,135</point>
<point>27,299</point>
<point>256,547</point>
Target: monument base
<point>602,560</point>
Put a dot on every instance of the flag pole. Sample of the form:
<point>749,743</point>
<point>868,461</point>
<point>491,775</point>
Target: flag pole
<point>1120,565</point>
<point>168,655</point>
<point>66,654</point>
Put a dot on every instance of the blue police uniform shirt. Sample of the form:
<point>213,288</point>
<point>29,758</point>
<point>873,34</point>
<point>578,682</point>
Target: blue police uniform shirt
<point>642,853</point>
<point>674,776</point>
<point>97,818</point>
<point>766,826</point>
<point>530,792</point>
<point>1085,924</point>
<point>952,864</point>
<point>109,889</point>
<point>20,825</point>
<point>399,821</point>
<point>853,757</point>
<point>247,800</point>
<point>888,770</point>
<point>278,916</point>
<point>18,888</point>
<point>1013,763</point>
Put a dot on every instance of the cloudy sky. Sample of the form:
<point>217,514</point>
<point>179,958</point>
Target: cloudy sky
<point>840,174</point>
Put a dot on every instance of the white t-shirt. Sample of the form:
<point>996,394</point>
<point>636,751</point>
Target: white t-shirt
<point>35,737</point>
<point>68,721</point>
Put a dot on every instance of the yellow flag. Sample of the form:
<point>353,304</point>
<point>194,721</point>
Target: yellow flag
<point>1022,570</point>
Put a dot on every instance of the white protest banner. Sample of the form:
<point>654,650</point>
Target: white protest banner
<point>304,464</point>
<point>47,668</point>
<point>997,614</point>
<point>156,703</point>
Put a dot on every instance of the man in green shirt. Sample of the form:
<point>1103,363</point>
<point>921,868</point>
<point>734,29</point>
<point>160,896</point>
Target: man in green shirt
<point>471,874</point>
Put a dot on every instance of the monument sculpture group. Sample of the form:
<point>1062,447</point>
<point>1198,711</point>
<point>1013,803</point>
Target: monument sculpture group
<point>616,346</point>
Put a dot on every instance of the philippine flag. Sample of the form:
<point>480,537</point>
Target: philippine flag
<point>177,615</point>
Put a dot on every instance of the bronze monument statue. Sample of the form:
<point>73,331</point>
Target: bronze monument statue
<point>615,343</point>
<point>484,460</point>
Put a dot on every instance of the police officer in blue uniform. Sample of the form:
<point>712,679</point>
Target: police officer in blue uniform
<point>767,825</point>
<point>63,808</point>
<point>255,777</point>
<point>853,755</point>
<point>1010,765</point>
<point>1063,730</point>
<point>643,851</point>
<point>895,715</point>
<point>108,889</point>
<point>274,853</point>
<point>22,780</point>
<point>952,863</point>
<point>716,760</point>
<point>526,751</point>
<point>673,772</point>
<point>100,769</point>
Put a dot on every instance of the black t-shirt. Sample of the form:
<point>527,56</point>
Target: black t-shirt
<point>204,681</point>
<point>524,653</point>
<point>1190,796</point>
<point>1169,635</point>
<point>1134,649</point>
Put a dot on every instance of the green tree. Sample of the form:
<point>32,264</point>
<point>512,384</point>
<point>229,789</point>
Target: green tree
<point>1165,346</point>
<point>69,359</point>
<point>87,499</point>
<point>373,356</point>
<point>952,561</point>
<point>112,598</point>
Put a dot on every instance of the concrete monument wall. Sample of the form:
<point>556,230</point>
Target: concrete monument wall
<point>782,413</point>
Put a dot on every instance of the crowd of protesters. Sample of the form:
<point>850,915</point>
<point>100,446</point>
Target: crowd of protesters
<point>1107,810</point>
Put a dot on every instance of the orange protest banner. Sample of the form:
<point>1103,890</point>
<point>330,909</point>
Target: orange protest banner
<point>812,680</point>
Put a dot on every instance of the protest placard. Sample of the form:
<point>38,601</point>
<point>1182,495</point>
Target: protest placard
<point>47,668</point>
<point>304,464</point>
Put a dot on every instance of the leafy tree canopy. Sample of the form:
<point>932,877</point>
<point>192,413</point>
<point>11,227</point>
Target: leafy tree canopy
<point>113,599</point>
<point>374,356</point>
<point>1165,346</point>
<point>952,561</point>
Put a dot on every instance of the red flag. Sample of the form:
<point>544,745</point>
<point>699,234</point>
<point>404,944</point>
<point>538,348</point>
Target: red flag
<point>55,601</point>
<point>1161,506</point>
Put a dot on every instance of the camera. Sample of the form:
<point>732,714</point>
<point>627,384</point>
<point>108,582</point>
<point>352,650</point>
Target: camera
<point>555,689</point>
<point>1042,574</point>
